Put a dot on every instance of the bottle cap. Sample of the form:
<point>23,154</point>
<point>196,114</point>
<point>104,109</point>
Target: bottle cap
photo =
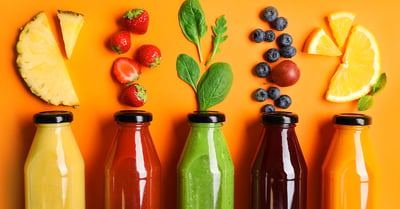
<point>133,116</point>
<point>280,117</point>
<point>53,117</point>
<point>206,117</point>
<point>352,119</point>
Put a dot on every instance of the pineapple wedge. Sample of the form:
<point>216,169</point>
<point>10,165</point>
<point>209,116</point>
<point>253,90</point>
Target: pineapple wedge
<point>42,65</point>
<point>71,24</point>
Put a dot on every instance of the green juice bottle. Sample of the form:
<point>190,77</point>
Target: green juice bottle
<point>205,170</point>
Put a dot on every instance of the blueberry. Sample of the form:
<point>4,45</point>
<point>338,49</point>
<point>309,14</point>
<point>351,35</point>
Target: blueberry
<point>268,108</point>
<point>272,55</point>
<point>257,35</point>
<point>269,36</point>
<point>260,95</point>
<point>288,51</point>
<point>274,93</point>
<point>284,40</point>
<point>262,69</point>
<point>270,14</point>
<point>280,23</point>
<point>283,102</point>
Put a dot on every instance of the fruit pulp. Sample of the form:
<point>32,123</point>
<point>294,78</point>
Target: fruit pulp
<point>54,170</point>
<point>133,170</point>
<point>348,180</point>
<point>279,172</point>
<point>205,170</point>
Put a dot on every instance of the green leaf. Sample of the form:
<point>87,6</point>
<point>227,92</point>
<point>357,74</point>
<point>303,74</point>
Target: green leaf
<point>219,29</point>
<point>365,103</point>
<point>188,70</point>
<point>214,85</point>
<point>192,22</point>
<point>380,84</point>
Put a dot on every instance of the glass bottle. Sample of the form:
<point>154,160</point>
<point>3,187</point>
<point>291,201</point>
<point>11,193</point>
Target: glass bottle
<point>279,171</point>
<point>54,168</point>
<point>348,171</point>
<point>205,170</point>
<point>133,169</point>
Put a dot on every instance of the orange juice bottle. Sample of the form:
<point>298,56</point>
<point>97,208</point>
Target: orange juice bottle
<point>348,171</point>
<point>54,168</point>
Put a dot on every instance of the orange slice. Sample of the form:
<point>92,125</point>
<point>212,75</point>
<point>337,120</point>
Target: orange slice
<point>340,24</point>
<point>319,43</point>
<point>359,68</point>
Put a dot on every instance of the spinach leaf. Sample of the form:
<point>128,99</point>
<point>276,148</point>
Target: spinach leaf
<point>188,70</point>
<point>219,29</point>
<point>214,85</point>
<point>380,84</point>
<point>365,103</point>
<point>192,22</point>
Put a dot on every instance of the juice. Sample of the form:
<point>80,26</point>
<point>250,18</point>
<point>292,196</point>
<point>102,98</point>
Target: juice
<point>54,168</point>
<point>205,171</point>
<point>133,169</point>
<point>279,172</point>
<point>348,172</point>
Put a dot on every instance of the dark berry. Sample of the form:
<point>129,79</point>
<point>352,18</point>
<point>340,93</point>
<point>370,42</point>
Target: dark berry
<point>284,40</point>
<point>260,95</point>
<point>262,69</point>
<point>257,35</point>
<point>280,23</point>
<point>269,36</point>
<point>288,51</point>
<point>274,93</point>
<point>270,14</point>
<point>272,55</point>
<point>283,102</point>
<point>268,108</point>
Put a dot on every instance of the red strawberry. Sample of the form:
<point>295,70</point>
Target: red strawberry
<point>134,95</point>
<point>149,55</point>
<point>136,20</point>
<point>126,70</point>
<point>121,41</point>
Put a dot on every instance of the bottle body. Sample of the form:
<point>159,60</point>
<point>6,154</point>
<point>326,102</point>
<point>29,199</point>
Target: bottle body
<point>133,169</point>
<point>205,170</point>
<point>348,171</point>
<point>54,169</point>
<point>279,171</point>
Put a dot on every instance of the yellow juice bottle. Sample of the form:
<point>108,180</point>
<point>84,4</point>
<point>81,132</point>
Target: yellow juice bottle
<point>349,168</point>
<point>54,168</point>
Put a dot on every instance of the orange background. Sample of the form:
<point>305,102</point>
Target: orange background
<point>170,99</point>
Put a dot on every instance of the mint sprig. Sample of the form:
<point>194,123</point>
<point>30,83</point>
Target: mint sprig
<point>367,101</point>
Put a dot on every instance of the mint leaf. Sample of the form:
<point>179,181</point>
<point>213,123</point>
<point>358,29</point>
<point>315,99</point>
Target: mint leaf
<point>214,85</point>
<point>192,22</point>
<point>219,29</point>
<point>380,84</point>
<point>188,70</point>
<point>365,103</point>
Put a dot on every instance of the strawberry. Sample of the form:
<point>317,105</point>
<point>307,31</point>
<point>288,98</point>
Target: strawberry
<point>134,95</point>
<point>136,20</point>
<point>149,55</point>
<point>126,70</point>
<point>121,41</point>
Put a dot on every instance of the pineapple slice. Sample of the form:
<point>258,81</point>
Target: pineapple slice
<point>42,65</point>
<point>71,24</point>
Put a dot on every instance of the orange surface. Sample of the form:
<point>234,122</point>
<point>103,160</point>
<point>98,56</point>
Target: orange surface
<point>170,99</point>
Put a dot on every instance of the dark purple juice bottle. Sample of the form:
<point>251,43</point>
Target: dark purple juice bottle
<point>279,171</point>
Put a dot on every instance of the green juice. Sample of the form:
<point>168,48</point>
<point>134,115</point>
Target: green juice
<point>206,171</point>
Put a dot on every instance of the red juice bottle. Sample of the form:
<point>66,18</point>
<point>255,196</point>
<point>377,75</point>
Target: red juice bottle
<point>133,169</point>
<point>279,171</point>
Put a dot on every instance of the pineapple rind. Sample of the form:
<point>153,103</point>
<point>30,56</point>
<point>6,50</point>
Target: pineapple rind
<point>41,64</point>
<point>71,25</point>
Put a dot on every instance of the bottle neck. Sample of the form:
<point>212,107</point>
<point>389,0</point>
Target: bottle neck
<point>205,125</point>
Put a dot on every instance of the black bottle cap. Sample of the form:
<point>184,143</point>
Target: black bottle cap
<point>352,119</point>
<point>206,117</point>
<point>133,116</point>
<point>280,117</point>
<point>53,117</point>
